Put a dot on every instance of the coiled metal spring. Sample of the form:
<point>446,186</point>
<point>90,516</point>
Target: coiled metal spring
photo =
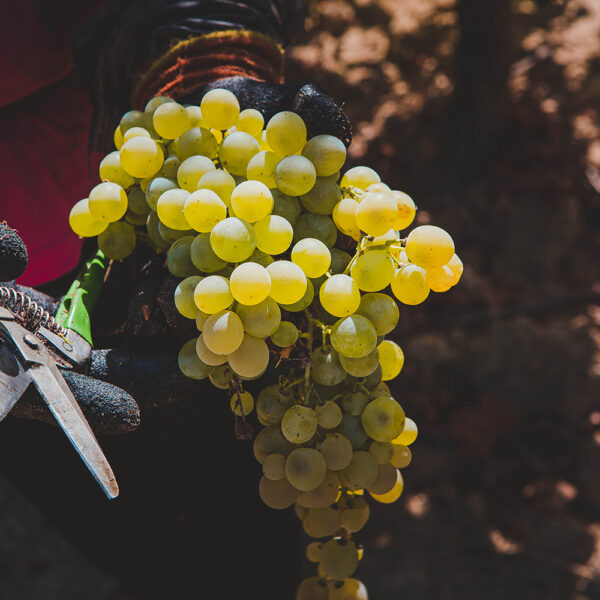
<point>29,311</point>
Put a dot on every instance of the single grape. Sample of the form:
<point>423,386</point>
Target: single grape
<point>83,222</point>
<point>327,153</point>
<point>233,240</point>
<point>440,279</point>
<point>197,141</point>
<point>286,133</point>
<point>141,157</point>
<point>156,188</point>
<point>299,424</point>
<point>220,182</point>
<point>132,118</point>
<point>206,355</point>
<point>393,494</point>
<point>203,209</point>
<point>251,201</point>
<point>262,167</point>
<point>118,137</point>
<point>178,258</point>
<point>295,175</point>
<point>286,206</point>
<point>324,495</point>
<point>312,588</point>
<point>220,377</point>
<point>170,209</point>
<point>220,108</point>
<point>315,226</point>
<point>242,404</point>
<point>107,202</point>
<point>336,450</point>
<point>355,402</point>
<point>376,213</point>
<point>383,419</point>
<point>405,210</point>
<point>112,170</point>
<point>312,256</point>
<point>456,266</point>
<point>340,296</point>
<point>184,296</point>
<point>401,456</point>
<point>195,115</point>
<point>373,270</point>
<point>251,358</point>
<point>271,405</point>
<point>270,441</point>
<point>191,171</point>
<point>170,120</point>
<point>385,481</point>
<point>152,225</point>
<point>170,167</point>
<point>344,216</point>
<point>354,336</point>
<point>260,320</point>
<point>288,282</point>
<point>382,452</point>
<point>381,310</point>
<point>213,295</point>
<point>378,187</point>
<point>339,558</point>
<point>352,428</point>
<point>152,105</point>
<point>203,256</point>
<point>250,121</point>
<point>361,472</point>
<point>305,468</point>
<point>360,367</point>
<point>117,241</point>
<point>273,234</point>
<point>223,332</point>
<point>286,335</point>
<point>429,247</point>
<point>304,302</point>
<point>250,283</point>
<point>236,151</point>
<point>409,433</point>
<point>277,494</point>
<point>323,197</point>
<point>325,367</point>
<point>391,359</point>
<point>321,522</point>
<point>329,415</point>
<point>189,363</point>
<point>409,285</point>
<point>360,177</point>
<point>313,551</point>
<point>339,261</point>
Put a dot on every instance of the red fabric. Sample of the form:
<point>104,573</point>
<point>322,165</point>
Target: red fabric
<point>44,123</point>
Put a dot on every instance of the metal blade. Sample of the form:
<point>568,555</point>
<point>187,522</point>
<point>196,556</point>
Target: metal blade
<point>13,379</point>
<point>55,392</point>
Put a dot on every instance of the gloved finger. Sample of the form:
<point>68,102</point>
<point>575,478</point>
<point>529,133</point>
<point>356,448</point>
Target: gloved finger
<point>109,409</point>
<point>320,112</point>
<point>13,254</point>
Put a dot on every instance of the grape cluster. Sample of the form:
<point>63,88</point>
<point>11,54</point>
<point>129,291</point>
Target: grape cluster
<point>283,262</point>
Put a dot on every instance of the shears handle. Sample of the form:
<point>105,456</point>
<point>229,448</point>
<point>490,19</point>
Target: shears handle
<point>75,308</point>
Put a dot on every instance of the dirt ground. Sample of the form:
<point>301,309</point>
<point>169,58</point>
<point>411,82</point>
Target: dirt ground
<point>495,134</point>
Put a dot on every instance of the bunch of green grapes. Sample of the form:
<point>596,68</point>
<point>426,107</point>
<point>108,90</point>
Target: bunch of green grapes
<point>283,262</point>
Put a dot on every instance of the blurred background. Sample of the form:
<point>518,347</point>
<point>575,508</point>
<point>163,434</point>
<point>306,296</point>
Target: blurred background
<point>486,113</point>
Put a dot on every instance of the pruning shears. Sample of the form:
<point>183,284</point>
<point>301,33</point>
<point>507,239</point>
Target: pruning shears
<point>32,346</point>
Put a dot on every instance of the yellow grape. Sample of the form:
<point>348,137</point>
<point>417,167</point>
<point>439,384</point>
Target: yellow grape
<point>223,332</point>
<point>220,182</point>
<point>385,481</point>
<point>107,202</point>
<point>252,201</point>
<point>251,358</point>
<point>197,140</point>
<point>288,282</point>
<point>83,222</point>
<point>262,167</point>
<point>212,294</point>
<point>152,105</point>
<point>354,336</point>
<point>393,494</point>
<point>344,216</point>
<point>196,118</point>
<point>286,133</point>
<point>203,209</point>
<point>191,171</point>
<point>440,279</point>
<point>184,296</point>
<point>401,456</point>
<point>274,234</point>
<point>456,266</point>
<point>241,404</point>
<point>220,108</point>
<point>236,151</point>
<point>429,247</point>
<point>233,240</point>
<point>207,356</point>
<point>408,435</point>
<point>277,494</point>
<point>295,175</point>
<point>250,121</point>
<point>250,283</point>
<point>409,284</point>
<point>170,209</point>
<point>406,210</point>
<point>326,152</point>
<point>141,157</point>
<point>360,177</point>
<point>312,256</point>
<point>134,131</point>
<point>373,270</point>
<point>391,359</point>
<point>111,170</point>
<point>118,137</point>
<point>376,213</point>
<point>378,187</point>
<point>340,295</point>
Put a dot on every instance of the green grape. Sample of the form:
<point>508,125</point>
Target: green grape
<point>223,332</point>
<point>178,258</point>
<point>325,367</point>
<point>170,209</point>
<point>274,467</point>
<point>295,175</point>
<point>312,256</point>
<point>220,377</point>
<point>203,209</point>
<point>197,141</point>
<point>250,121</point>
<point>270,441</point>
<point>286,335</point>
<point>429,247</point>
<point>323,495</point>
<point>273,234</point>
<point>409,285</point>
<point>264,260</point>
<point>207,356</point>
<point>339,261</point>
<point>241,404</point>
<point>189,363</point>
<point>260,320</point>
<point>361,472</point>
<point>322,198</point>
<point>191,171</point>
<point>339,296</point>
<point>156,188</point>
<point>409,433</point>
<point>385,481</point>
<point>152,224</point>
<point>304,302</point>
<point>262,167</point>
<point>152,105</point>
<point>352,428</point>
<point>360,177</point>
<point>271,406</point>
<point>381,389</point>
<point>251,358</point>
<point>344,216</point>
<point>107,202</point>
<point>315,226</point>
<point>286,206</point>
<point>354,336</point>
<point>329,415</point>
<point>213,295</point>
<point>136,202</point>
<point>383,419</point>
<point>355,517</point>
<point>141,157</point>
<point>135,219</point>
<point>117,241</point>
<point>313,552</point>
<point>405,209</point>
<point>236,151</point>
<point>373,270</point>
<point>361,367</point>
<point>376,213</point>
<point>220,182</point>
<point>233,240</point>
<point>456,266</point>
<point>286,133</point>
<point>203,256</point>
<point>170,167</point>
<point>391,359</point>
<point>351,589</point>
<point>440,279</point>
<point>305,468</point>
<point>312,588</point>
<point>382,452</point>
<point>336,450</point>
<point>83,222</point>
<point>374,379</point>
<point>355,402</point>
<point>132,118</point>
<point>381,310</point>
<point>250,283</point>
<point>169,235</point>
<point>277,494</point>
<point>252,201</point>
<point>220,108</point>
<point>111,170</point>
<point>299,424</point>
<point>288,282</point>
<point>401,456</point>
<point>327,153</point>
<point>184,296</point>
<point>393,494</point>
<point>321,522</point>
